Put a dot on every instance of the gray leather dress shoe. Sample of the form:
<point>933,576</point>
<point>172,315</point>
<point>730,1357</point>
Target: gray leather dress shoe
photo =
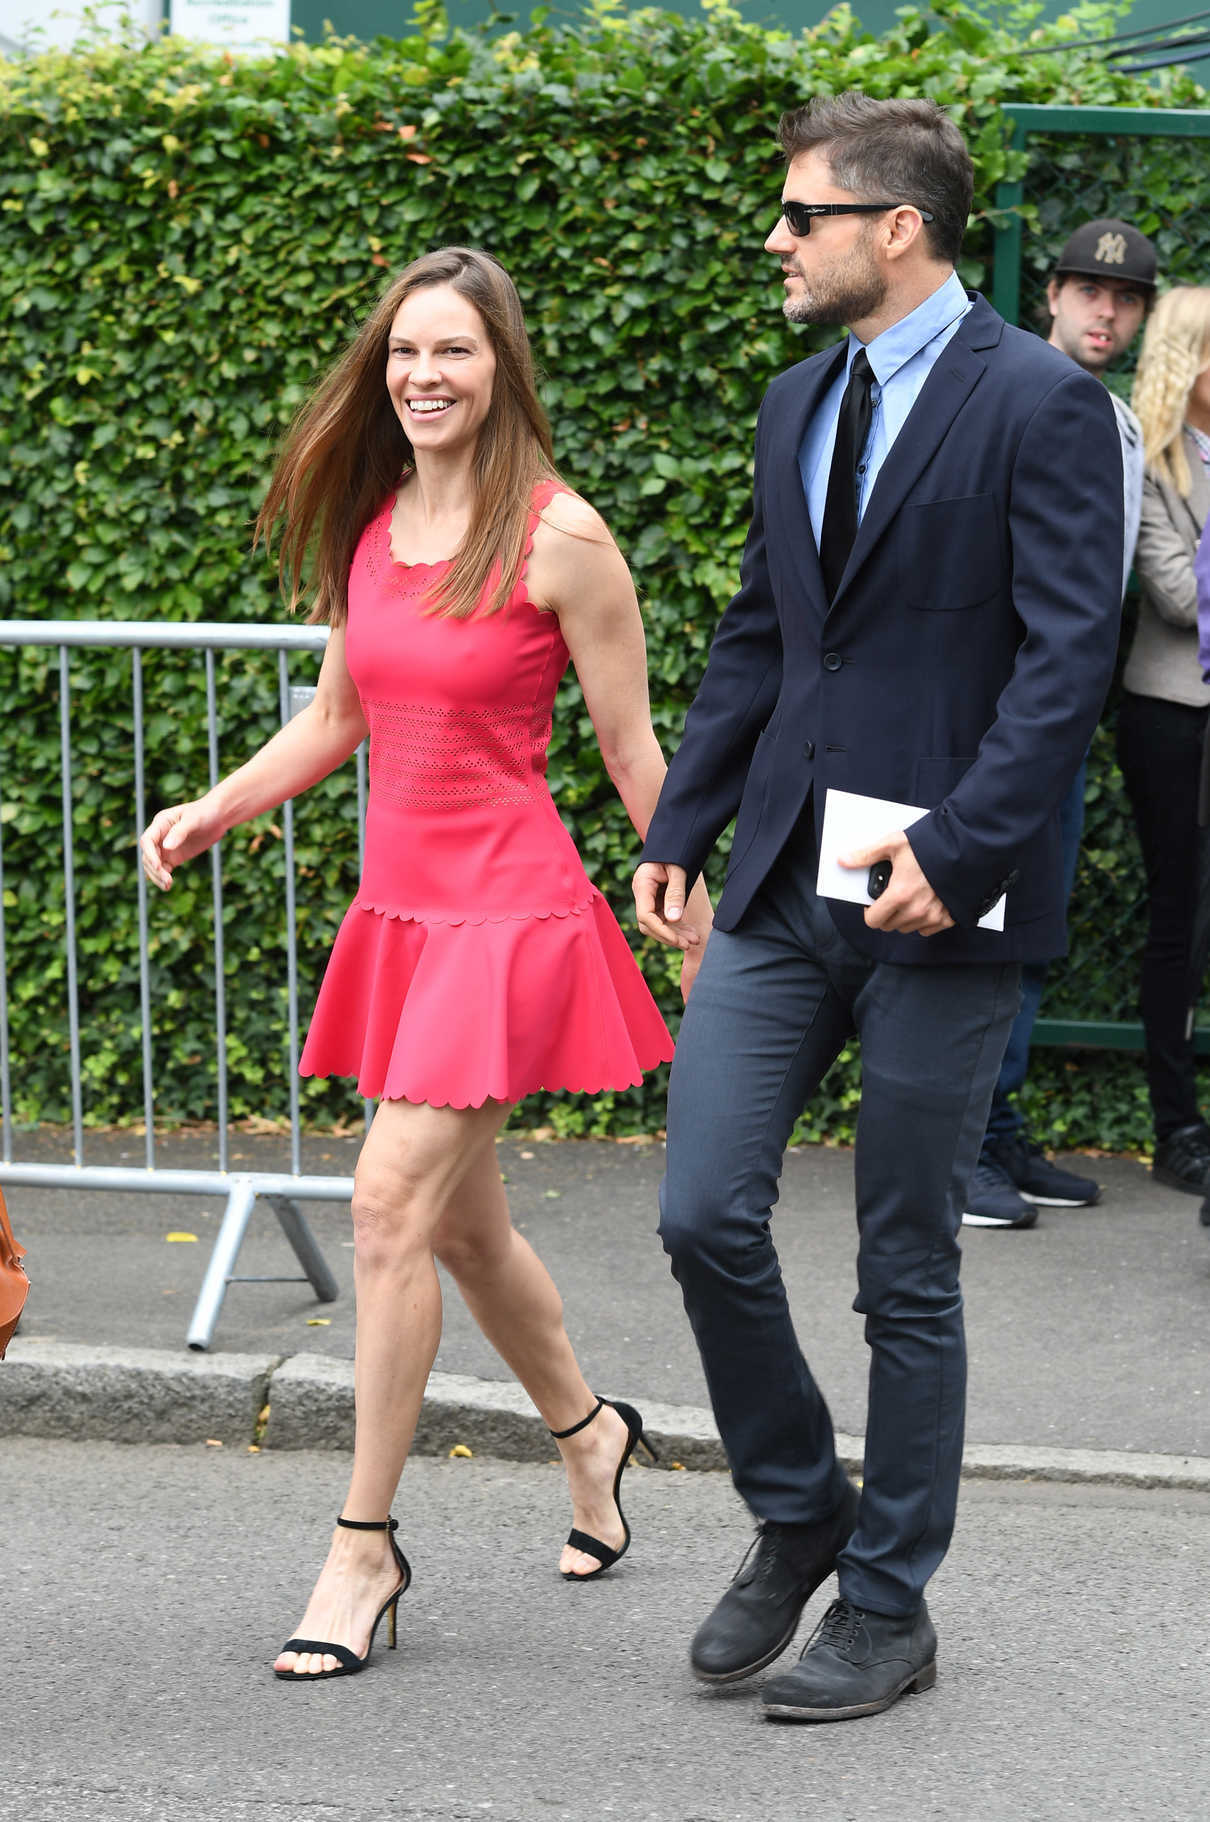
<point>855,1662</point>
<point>758,1615</point>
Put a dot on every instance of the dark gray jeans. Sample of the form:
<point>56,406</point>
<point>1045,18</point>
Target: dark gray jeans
<point>774,1003</point>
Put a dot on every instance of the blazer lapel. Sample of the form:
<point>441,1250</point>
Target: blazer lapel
<point>787,498</point>
<point>955,373</point>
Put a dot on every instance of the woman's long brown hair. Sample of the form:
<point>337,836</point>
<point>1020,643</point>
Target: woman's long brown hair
<point>346,451</point>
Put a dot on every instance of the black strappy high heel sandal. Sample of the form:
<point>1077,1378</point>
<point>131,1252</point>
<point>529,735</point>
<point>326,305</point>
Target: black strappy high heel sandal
<point>580,1540</point>
<point>348,1662</point>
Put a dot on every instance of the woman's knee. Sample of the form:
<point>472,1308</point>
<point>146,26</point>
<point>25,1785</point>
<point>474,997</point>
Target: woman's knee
<point>389,1219</point>
<point>471,1256</point>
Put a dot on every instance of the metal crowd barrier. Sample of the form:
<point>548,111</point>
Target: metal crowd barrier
<point>242,1189</point>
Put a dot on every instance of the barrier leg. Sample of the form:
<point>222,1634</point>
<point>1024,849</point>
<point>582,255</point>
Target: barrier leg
<point>295,1228</point>
<point>222,1262</point>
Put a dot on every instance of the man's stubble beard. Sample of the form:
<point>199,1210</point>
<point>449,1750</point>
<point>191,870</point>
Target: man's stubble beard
<point>1071,346</point>
<point>848,295</point>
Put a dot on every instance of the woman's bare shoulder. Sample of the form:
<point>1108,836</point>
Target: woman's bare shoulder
<point>569,515</point>
<point>574,556</point>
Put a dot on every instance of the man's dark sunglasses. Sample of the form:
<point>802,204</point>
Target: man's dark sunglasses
<point>798,214</point>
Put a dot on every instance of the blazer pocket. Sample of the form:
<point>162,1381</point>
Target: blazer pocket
<point>950,553</point>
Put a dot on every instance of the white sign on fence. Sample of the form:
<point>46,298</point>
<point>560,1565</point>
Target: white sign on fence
<point>236,25</point>
<point>33,26</point>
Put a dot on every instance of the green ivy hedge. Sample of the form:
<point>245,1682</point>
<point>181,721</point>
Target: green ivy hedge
<point>186,241</point>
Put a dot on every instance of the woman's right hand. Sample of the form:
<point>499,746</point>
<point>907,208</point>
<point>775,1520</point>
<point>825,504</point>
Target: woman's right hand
<point>176,835</point>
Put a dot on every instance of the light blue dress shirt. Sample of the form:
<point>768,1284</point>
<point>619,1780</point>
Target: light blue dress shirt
<point>901,359</point>
<point>1131,433</point>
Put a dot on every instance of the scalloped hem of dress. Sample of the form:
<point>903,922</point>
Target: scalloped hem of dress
<point>512,1099</point>
<point>404,915</point>
<point>452,1015</point>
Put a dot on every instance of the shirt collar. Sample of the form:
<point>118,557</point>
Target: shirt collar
<point>1202,441</point>
<point>1129,427</point>
<point>891,350</point>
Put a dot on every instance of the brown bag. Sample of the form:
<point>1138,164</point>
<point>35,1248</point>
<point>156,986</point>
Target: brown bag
<point>14,1285</point>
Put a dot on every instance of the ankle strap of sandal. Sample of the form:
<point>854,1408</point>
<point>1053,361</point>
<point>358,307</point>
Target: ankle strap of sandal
<point>369,1524</point>
<point>561,1435</point>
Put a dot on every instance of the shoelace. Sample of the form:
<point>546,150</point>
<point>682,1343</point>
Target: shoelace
<point>738,1577</point>
<point>764,1561</point>
<point>839,1626</point>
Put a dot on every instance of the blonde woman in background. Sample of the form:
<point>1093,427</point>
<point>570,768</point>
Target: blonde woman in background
<point>1164,709</point>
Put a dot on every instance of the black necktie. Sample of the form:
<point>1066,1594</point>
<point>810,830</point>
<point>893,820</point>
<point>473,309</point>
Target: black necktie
<point>840,507</point>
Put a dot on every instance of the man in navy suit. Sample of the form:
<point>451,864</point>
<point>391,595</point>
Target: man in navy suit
<point>927,614</point>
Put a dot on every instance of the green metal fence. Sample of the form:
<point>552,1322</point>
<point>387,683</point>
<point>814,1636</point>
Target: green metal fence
<point>1083,163</point>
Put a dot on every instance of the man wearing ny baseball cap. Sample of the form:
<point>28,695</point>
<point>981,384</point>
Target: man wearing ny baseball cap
<point>1102,288</point>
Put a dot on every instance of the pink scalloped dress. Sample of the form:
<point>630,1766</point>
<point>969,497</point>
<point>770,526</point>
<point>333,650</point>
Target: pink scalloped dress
<point>477,960</point>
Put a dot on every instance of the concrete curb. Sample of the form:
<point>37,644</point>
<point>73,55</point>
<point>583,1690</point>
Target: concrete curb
<point>311,1407</point>
<point>1101,1467</point>
<point>114,1394</point>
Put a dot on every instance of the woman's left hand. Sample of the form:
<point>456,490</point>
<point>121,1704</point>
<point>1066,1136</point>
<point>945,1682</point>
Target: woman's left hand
<point>691,961</point>
<point>697,921</point>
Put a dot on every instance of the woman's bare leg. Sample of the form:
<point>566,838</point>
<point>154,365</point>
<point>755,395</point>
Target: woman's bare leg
<point>411,1165</point>
<point>513,1299</point>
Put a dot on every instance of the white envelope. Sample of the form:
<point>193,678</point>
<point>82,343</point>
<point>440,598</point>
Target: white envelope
<point>851,822</point>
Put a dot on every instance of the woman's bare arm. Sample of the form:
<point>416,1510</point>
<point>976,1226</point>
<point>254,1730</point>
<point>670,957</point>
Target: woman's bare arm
<point>312,744</point>
<point>578,571</point>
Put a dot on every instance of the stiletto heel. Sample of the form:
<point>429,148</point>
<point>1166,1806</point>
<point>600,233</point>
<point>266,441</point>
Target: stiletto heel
<point>644,1444</point>
<point>580,1540</point>
<point>348,1663</point>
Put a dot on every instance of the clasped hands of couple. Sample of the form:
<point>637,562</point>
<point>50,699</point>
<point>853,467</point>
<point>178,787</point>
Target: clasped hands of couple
<point>908,907</point>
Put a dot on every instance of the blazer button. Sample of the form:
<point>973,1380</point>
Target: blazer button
<point>832,661</point>
<point>809,750</point>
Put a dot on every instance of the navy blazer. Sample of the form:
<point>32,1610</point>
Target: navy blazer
<point>962,664</point>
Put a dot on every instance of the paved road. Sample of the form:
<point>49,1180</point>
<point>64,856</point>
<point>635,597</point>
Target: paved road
<point>146,1589</point>
<point>1089,1331</point>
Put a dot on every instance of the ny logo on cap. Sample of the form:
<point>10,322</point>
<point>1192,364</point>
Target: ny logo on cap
<point>1111,250</point>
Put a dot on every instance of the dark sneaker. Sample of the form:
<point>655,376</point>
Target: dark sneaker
<point>855,1663</point>
<point>1182,1160</point>
<point>1204,1215</point>
<point>993,1200</point>
<point>1038,1178</point>
<point>759,1614</point>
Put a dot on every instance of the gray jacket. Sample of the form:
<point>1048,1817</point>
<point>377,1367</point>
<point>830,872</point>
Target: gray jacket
<point>1163,660</point>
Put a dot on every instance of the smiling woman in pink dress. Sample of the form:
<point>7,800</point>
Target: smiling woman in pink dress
<point>477,962</point>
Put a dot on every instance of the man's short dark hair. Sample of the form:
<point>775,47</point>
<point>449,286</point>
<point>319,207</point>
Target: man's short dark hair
<point>903,150</point>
